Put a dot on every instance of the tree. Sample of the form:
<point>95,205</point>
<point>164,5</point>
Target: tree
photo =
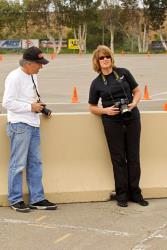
<point>11,18</point>
<point>130,18</point>
<point>157,11</point>
<point>48,16</point>
<point>79,14</point>
<point>110,15</point>
<point>4,8</point>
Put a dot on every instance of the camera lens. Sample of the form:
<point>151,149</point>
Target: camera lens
<point>46,111</point>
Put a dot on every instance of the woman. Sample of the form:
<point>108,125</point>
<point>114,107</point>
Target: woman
<point>120,94</point>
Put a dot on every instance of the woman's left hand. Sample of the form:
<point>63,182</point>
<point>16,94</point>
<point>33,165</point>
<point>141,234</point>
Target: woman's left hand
<point>132,105</point>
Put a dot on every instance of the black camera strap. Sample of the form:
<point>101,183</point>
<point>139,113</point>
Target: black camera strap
<point>36,90</point>
<point>118,79</point>
<point>45,111</point>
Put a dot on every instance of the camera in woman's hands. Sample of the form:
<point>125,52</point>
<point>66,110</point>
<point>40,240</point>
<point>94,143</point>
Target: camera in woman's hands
<point>123,107</point>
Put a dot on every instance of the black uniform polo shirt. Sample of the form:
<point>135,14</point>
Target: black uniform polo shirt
<point>112,90</point>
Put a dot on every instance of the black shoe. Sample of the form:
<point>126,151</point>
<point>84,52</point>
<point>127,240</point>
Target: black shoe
<point>43,205</point>
<point>141,202</point>
<point>21,207</point>
<point>122,203</point>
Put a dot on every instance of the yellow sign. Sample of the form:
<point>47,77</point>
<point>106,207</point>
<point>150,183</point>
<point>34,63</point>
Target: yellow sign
<point>73,43</point>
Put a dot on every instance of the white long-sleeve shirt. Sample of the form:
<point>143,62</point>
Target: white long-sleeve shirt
<point>18,96</point>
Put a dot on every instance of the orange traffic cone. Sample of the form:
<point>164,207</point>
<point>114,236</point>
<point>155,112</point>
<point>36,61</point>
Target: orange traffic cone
<point>122,52</point>
<point>1,57</point>
<point>75,96</point>
<point>148,54</point>
<point>165,107</point>
<point>80,53</point>
<point>53,55</point>
<point>146,94</point>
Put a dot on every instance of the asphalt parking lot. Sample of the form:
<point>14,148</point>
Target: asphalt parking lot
<point>58,78</point>
<point>87,226</point>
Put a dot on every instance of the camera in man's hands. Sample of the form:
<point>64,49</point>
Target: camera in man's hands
<point>45,111</point>
<point>123,107</point>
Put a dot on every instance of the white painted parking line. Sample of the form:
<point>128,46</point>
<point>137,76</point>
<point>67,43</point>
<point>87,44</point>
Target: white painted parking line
<point>157,233</point>
<point>39,225</point>
<point>72,227</point>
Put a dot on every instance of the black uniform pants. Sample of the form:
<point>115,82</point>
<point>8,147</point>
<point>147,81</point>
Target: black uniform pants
<point>123,139</point>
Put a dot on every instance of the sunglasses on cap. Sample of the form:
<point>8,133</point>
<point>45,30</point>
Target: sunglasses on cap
<point>103,57</point>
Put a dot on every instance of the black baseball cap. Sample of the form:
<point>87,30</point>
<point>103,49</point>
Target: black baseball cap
<point>34,54</point>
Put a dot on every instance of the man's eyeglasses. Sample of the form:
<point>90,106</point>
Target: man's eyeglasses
<point>103,57</point>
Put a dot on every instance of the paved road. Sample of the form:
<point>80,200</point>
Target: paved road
<point>87,226</point>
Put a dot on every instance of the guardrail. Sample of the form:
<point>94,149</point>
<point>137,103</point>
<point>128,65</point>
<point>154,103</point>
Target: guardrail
<point>76,161</point>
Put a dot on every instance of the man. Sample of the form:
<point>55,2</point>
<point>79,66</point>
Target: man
<point>20,100</point>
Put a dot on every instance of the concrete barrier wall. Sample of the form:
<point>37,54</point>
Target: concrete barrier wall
<point>76,161</point>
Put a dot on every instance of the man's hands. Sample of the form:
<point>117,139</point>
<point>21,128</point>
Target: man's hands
<point>37,107</point>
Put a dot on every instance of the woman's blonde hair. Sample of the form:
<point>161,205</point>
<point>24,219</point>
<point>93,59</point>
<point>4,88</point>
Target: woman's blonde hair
<point>106,52</point>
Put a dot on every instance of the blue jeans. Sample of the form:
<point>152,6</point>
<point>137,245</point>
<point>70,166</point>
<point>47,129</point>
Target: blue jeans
<point>25,153</point>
